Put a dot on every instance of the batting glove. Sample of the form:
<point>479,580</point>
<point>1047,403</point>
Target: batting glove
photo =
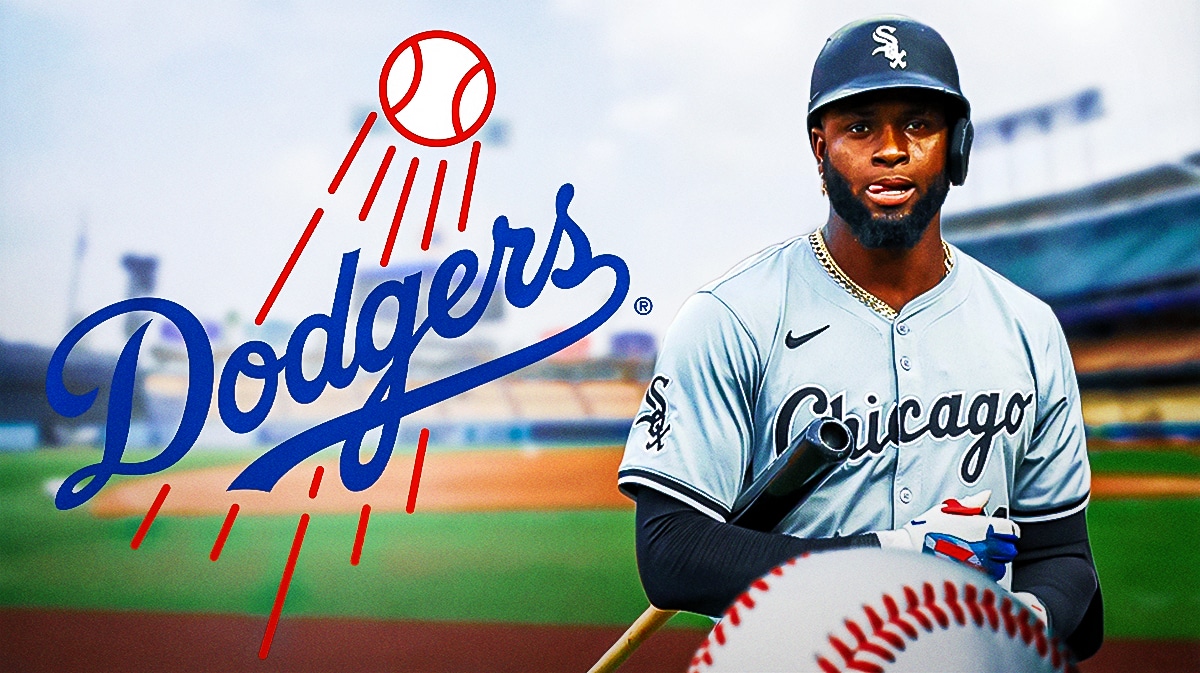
<point>960,531</point>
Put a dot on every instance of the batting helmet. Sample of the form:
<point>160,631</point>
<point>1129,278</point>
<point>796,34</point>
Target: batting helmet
<point>893,52</point>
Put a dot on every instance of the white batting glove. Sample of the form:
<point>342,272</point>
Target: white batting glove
<point>960,531</point>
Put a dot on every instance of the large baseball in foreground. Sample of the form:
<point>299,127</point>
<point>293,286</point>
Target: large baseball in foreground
<point>878,610</point>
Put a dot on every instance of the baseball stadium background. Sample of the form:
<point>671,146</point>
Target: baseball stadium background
<point>178,152</point>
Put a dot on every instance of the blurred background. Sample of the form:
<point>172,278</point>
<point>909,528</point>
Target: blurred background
<point>179,152</point>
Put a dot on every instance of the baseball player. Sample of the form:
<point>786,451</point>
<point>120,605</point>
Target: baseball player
<point>956,385</point>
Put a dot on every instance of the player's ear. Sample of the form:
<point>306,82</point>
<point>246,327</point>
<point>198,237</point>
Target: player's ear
<point>816,141</point>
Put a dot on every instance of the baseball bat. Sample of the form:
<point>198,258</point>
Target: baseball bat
<point>809,459</point>
<point>641,629</point>
<point>788,481</point>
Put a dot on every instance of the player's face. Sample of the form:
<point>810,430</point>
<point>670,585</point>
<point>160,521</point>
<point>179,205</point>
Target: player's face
<point>883,157</point>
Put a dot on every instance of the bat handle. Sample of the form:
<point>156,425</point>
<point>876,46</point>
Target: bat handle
<point>650,621</point>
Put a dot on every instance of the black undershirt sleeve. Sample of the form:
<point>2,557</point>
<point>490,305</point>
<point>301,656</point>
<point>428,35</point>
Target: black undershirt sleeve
<point>1054,562</point>
<point>690,561</point>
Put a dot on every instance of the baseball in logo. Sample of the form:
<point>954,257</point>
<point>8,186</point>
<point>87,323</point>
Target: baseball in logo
<point>437,88</point>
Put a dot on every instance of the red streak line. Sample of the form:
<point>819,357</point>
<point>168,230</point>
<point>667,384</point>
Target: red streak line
<point>408,183</point>
<point>470,187</point>
<point>316,482</point>
<point>224,534</point>
<point>153,512</point>
<point>416,475</point>
<point>383,167</point>
<point>287,268</point>
<point>273,621</point>
<point>358,141</point>
<point>433,204</point>
<point>361,535</point>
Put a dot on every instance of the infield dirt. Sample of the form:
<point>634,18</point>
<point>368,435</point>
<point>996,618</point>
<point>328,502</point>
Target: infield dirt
<point>467,481</point>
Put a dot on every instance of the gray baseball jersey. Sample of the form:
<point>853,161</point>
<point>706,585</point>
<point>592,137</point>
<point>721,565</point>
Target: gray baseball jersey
<point>970,387</point>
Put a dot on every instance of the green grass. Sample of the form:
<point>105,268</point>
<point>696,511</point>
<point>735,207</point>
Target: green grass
<point>538,567</point>
<point>541,567</point>
<point>1149,566</point>
<point>1146,462</point>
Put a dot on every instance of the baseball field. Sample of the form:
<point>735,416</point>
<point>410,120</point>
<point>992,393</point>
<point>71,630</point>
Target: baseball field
<point>514,560</point>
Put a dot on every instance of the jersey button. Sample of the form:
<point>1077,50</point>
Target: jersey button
<point>905,495</point>
<point>905,363</point>
<point>902,329</point>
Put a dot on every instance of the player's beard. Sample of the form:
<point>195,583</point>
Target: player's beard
<point>893,232</point>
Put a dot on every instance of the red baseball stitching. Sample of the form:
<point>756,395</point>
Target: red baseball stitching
<point>888,626</point>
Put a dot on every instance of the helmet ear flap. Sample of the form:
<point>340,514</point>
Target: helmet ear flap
<point>960,151</point>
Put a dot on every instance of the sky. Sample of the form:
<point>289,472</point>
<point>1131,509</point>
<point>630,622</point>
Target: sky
<point>207,134</point>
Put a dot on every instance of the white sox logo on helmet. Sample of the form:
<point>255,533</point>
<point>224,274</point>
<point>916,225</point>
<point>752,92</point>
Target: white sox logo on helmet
<point>886,36</point>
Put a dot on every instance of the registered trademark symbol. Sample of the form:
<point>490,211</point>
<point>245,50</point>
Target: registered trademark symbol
<point>643,305</point>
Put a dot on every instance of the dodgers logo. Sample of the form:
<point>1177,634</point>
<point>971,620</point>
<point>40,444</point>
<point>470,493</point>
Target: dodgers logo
<point>886,36</point>
<point>429,103</point>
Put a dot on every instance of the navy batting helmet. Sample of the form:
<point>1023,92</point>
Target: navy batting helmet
<point>893,52</point>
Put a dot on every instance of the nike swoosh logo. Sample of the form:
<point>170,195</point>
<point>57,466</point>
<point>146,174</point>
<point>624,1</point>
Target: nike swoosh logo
<point>796,342</point>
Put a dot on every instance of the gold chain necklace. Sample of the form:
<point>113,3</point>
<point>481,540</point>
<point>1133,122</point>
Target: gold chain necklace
<point>817,241</point>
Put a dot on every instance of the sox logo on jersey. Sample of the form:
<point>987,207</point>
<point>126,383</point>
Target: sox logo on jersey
<point>656,418</point>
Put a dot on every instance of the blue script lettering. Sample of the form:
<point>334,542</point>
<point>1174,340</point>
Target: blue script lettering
<point>120,396</point>
<point>388,402</point>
